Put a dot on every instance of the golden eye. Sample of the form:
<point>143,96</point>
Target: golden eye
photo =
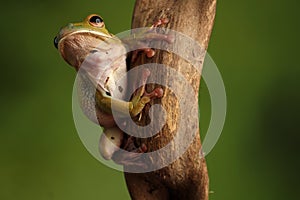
<point>96,20</point>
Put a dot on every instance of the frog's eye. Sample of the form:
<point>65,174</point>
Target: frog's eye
<point>56,42</point>
<point>96,21</point>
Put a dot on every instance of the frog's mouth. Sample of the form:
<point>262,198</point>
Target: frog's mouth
<point>64,34</point>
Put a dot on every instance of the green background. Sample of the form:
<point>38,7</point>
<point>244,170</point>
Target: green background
<point>255,45</point>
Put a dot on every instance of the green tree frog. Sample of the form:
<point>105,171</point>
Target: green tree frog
<point>79,45</point>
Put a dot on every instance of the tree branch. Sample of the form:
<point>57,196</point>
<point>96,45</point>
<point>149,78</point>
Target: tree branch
<point>187,177</point>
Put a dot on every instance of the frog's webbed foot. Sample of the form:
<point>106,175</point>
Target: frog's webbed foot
<point>152,34</point>
<point>130,155</point>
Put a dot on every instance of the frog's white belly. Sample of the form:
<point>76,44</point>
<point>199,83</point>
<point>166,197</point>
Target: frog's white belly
<point>107,67</point>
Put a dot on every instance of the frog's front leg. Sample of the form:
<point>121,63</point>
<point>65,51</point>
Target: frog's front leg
<point>141,97</point>
<point>106,103</point>
<point>142,39</point>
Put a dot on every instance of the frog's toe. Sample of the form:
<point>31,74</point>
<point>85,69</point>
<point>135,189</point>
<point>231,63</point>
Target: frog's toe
<point>156,93</point>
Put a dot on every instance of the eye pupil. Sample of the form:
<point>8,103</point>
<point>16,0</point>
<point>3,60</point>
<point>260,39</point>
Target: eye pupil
<point>96,19</point>
<point>56,42</point>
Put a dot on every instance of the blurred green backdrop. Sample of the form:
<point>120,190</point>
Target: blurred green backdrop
<point>255,45</point>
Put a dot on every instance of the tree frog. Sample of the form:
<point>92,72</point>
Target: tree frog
<point>79,45</point>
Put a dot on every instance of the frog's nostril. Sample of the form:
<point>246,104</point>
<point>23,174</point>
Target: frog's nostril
<point>56,42</point>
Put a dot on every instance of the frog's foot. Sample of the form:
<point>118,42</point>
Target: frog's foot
<point>130,155</point>
<point>156,93</point>
<point>152,34</point>
<point>131,147</point>
<point>141,97</point>
<point>142,48</point>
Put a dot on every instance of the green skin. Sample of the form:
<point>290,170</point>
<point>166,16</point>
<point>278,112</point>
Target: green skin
<point>75,42</point>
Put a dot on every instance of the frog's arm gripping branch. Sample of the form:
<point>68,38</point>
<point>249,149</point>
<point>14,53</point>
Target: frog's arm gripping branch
<point>135,106</point>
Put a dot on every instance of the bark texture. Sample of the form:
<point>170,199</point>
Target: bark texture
<point>187,177</point>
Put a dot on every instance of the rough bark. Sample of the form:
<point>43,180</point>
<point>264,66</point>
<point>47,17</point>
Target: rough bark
<point>187,177</point>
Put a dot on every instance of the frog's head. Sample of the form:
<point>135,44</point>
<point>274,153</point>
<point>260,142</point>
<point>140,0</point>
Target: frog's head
<point>76,40</point>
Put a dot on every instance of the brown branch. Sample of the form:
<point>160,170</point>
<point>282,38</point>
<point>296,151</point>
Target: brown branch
<point>187,177</point>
